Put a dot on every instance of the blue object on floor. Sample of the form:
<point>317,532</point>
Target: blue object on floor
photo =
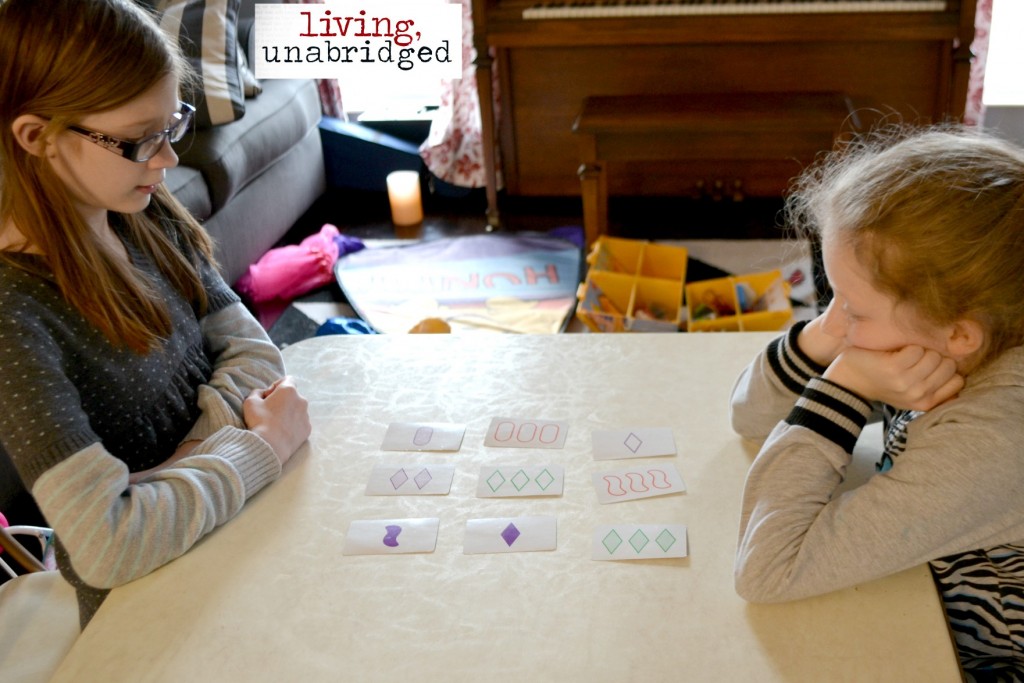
<point>344,326</point>
<point>570,233</point>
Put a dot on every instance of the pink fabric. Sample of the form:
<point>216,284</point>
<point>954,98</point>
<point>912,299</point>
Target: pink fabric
<point>454,148</point>
<point>976,84</point>
<point>287,272</point>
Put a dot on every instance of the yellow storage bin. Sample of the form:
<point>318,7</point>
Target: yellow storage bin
<point>664,262</point>
<point>656,306</point>
<point>744,303</point>
<point>615,255</point>
<point>604,300</point>
<point>633,285</point>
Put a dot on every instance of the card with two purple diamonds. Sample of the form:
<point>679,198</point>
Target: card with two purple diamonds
<point>410,480</point>
<point>510,535</point>
<point>391,536</point>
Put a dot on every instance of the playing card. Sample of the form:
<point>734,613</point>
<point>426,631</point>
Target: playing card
<point>391,536</point>
<point>510,535</point>
<point>639,541</point>
<point>636,442</point>
<point>529,480</point>
<point>410,480</point>
<point>423,436</point>
<point>508,432</point>
<point>637,482</point>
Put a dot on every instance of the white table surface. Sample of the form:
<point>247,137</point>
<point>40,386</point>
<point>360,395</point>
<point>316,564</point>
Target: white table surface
<point>270,597</point>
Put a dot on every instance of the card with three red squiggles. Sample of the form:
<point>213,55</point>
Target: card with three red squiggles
<point>646,481</point>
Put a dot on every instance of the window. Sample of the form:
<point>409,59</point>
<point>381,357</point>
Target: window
<point>400,99</point>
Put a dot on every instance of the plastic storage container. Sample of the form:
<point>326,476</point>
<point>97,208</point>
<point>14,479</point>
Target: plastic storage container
<point>633,285</point>
<point>743,303</point>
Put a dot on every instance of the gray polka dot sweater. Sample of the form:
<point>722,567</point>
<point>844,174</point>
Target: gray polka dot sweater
<point>77,415</point>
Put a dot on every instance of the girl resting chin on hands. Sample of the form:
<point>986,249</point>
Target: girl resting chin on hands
<point>922,234</point>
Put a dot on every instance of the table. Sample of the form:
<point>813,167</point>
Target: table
<point>270,597</point>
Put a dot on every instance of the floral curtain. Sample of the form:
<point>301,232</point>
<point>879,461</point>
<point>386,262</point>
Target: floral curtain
<point>453,150</point>
<point>976,83</point>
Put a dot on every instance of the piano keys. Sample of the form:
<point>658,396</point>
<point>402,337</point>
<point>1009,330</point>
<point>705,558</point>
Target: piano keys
<point>592,9</point>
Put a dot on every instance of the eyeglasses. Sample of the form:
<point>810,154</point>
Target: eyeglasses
<point>149,146</point>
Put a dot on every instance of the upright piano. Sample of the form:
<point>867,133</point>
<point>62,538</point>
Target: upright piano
<point>909,59</point>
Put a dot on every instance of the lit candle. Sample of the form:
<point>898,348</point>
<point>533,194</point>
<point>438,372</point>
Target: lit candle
<point>404,195</point>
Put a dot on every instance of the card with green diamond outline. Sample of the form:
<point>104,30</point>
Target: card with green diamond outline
<point>519,481</point>
<point>639,542</point>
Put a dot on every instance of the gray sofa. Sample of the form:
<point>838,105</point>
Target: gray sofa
<point>250,180</point>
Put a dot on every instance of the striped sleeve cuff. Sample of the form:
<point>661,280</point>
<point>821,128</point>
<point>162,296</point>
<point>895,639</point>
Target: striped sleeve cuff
<point>251,456</point>
<point>791,365</point>
<point>831,411</point>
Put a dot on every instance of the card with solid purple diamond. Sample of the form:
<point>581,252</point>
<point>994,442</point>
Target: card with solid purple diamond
<point>510,535</point>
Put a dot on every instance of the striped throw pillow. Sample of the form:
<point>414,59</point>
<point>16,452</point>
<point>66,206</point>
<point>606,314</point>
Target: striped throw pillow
<point>207,31</point>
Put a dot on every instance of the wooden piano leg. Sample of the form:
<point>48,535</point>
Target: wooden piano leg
<point>483,64</point>
<point>594,187</point>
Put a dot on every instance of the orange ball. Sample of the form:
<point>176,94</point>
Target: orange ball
<point>431,326</point>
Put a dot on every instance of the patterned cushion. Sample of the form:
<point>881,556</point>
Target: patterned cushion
<point>207,33</point>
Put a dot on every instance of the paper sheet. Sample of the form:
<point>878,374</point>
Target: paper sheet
<point>510,535</point>
<point>512,432</point>
<point>516,481</point>
<point>639,541</point>
<point>391,536</point>
<point>410,480</point>
<point>637,442</point>
<point>423,436</point>
<point>638,482</point>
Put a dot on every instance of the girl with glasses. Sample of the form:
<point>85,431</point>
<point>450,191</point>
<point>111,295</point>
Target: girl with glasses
<point>922,233</point>
<point>141,404</point>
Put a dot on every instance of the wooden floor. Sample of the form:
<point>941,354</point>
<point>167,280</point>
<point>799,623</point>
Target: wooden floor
<point>366,215</point>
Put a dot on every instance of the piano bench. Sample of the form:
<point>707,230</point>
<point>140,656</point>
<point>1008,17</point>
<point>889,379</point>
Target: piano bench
<point>647,134</point>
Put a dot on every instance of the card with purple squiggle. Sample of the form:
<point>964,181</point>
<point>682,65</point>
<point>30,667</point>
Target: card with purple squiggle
<point>391,536</point>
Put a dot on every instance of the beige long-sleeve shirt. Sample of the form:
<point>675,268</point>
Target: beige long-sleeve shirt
<point>957,485</point>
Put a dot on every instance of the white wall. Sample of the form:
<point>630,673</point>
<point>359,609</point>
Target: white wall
<point>1003,95</point>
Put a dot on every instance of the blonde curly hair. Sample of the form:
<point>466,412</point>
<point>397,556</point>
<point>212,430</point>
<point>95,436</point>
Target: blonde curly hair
<point>934,214</point>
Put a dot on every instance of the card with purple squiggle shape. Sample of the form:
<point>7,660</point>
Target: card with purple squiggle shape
<point>391,536</point>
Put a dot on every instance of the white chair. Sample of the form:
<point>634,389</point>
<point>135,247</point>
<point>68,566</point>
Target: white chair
<point>38,616</point>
